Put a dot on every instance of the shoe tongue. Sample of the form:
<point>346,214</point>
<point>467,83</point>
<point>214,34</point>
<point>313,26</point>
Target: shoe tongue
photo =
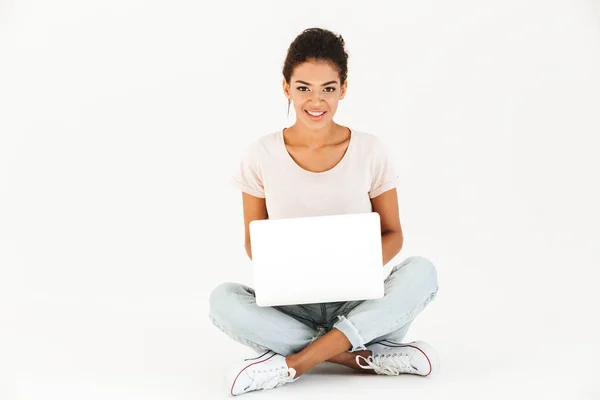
<point>406,360</point>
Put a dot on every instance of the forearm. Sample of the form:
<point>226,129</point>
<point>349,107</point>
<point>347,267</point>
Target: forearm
<point>391,243</point>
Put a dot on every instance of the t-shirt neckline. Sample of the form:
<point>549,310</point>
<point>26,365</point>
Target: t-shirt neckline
<point>330,170</point>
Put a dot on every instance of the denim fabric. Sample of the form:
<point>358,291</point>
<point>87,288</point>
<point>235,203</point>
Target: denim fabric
<point>286,330</point>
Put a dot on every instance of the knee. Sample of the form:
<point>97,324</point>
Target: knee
<point>422,271</point>
<point>223,298</point>
<point>423,263</point>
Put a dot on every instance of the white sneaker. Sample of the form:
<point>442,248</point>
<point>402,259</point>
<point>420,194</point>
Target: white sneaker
<point>391,358</point>
<point>267,371</point>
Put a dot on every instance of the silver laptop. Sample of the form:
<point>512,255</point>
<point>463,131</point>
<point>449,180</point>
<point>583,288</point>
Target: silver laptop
<point>317,259</point>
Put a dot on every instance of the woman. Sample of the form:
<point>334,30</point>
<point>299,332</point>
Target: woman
<point>318,167</point>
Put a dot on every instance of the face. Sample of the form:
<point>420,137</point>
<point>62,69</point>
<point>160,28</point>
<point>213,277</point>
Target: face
<point>315,88</point>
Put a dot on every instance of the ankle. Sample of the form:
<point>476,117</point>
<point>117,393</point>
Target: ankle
<point>362,353</point>
<point>293,361</point>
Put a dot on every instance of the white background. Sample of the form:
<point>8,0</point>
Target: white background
<point>121,122</point>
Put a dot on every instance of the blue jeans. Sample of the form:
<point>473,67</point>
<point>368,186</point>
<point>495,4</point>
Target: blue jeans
<point>286,330</point>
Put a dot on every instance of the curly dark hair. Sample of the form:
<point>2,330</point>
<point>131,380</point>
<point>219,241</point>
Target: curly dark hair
<point>320,45</point>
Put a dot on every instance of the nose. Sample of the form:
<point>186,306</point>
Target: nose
<point>315,101</point>
<point>317,95</point>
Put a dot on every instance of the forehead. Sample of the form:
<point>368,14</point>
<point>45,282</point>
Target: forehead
<point>315,72</point>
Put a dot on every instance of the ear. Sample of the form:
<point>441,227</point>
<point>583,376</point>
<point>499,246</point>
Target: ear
<point>343,89</point>
<point>286,88</point>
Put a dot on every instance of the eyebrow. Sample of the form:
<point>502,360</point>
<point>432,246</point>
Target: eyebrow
<point>325,84</point>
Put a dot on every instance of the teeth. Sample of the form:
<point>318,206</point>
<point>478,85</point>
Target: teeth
<point>316,114</point>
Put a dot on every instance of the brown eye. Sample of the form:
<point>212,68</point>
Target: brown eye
<point>300,88</point>
<point>329,91</point>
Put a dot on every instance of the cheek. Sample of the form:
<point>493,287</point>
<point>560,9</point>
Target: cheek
<point>333,104</point>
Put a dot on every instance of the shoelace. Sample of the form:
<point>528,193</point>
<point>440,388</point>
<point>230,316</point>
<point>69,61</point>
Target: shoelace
<point>389,364</point>
<point>279,378</point>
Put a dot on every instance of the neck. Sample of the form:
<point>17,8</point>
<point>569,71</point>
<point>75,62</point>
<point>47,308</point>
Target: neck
<point>312,137</point>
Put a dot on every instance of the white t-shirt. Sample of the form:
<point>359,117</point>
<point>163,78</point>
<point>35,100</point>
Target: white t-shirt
<point>268,171</point>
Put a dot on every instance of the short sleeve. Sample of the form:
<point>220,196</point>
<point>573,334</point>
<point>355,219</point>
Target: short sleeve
<point>384,175</point>
<point>247,175</point>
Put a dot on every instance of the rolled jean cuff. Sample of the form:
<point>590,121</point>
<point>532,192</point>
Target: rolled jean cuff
<point>347,328</point>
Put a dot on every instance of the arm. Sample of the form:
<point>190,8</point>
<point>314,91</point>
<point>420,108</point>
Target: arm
<point>392,239</point>
<point>254,208</point>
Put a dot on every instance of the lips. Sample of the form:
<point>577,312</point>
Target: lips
<point>318,115</point>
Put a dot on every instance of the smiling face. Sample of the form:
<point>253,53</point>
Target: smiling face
<point>315,91</point>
